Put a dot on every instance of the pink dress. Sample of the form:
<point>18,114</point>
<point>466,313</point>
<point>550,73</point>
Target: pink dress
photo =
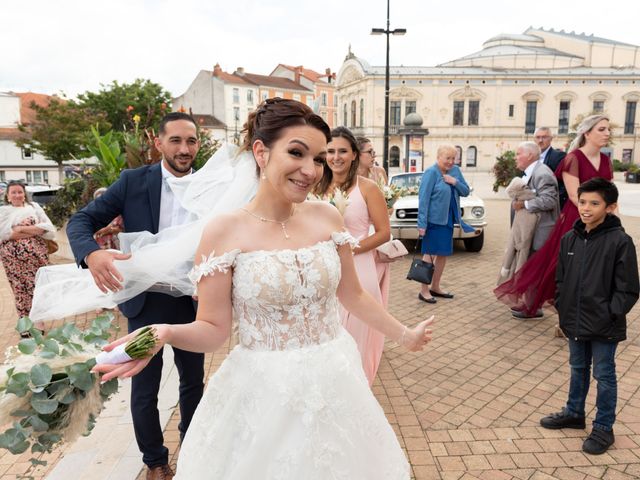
<point>370,342</point>
<point>384,279</point>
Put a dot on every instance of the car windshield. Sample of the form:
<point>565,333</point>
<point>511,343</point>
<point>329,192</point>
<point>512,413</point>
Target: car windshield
<point>407,181</point>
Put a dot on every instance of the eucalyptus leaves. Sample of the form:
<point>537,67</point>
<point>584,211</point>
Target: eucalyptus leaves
<point>47,391</point>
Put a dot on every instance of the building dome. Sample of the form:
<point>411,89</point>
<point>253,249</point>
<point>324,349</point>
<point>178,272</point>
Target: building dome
<point>412,120</point>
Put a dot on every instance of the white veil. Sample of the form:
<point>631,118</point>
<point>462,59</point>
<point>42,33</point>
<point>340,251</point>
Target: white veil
<point>158,262</point>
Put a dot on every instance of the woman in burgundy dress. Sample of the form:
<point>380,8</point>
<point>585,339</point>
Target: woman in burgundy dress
<point>534,284</point>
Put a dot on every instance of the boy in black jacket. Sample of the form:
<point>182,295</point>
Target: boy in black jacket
<point>597,285</point>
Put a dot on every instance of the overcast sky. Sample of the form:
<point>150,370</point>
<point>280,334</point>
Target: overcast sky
<point>72,46</point>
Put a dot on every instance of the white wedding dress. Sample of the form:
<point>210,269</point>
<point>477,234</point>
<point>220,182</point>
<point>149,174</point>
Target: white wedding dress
<point>291,401</point>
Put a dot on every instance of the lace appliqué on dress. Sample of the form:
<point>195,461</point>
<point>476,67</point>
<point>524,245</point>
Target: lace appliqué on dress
<point>340,238</point>
<point>211,264</point>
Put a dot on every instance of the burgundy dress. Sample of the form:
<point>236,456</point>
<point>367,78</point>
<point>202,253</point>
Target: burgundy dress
<point>534,284</point>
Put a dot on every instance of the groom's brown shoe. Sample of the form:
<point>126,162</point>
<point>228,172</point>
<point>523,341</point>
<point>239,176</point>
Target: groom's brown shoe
<point>160,472</point>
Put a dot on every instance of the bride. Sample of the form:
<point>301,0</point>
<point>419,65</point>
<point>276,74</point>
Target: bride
<point>291,400</point>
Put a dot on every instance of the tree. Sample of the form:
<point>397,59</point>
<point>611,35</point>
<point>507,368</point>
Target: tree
<point>59,131</point>
<point>111,161</point>
<point>208,146</point>
<point>121,102</point>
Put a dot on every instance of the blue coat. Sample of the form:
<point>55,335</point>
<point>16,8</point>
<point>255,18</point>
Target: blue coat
<point>135,196</point>
<point>435,196</point>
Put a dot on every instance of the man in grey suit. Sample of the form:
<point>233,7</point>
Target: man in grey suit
<point>543,183</point>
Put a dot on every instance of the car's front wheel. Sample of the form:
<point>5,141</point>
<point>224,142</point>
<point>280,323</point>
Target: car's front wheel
<point>474,244</point>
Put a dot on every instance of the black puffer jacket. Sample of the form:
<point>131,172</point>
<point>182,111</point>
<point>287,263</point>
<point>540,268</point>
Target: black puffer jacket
<point>597,281</point>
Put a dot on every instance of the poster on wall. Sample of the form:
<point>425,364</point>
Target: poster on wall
<point>415,153</point>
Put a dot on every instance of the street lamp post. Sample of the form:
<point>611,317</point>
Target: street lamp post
<point>387,32</point>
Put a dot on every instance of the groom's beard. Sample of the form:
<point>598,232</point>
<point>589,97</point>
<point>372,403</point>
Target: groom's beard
<point>180,167</point>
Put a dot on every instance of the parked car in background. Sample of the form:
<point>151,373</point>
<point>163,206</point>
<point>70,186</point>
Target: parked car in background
<point>42,194</point>
<point>404,217</point>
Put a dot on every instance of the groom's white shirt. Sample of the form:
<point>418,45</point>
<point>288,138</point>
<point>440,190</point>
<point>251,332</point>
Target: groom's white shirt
<point>171,212</point>
<point>526,177</point>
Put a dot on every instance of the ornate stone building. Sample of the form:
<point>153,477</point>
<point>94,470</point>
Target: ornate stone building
<point>493,99</point>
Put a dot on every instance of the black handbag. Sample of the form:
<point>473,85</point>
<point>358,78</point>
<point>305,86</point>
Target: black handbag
<point>420,271</point>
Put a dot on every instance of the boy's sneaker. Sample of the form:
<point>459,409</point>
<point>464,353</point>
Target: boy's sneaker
<point>598,442</point>
<point>562,419</point>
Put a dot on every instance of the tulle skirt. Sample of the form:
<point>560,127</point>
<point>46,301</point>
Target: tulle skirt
<point>305,413</point>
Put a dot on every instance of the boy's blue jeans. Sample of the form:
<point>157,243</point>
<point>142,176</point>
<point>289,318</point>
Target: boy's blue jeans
<point>581,355</point>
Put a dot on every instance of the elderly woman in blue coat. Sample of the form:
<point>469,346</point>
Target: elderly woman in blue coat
<point>438,211</point>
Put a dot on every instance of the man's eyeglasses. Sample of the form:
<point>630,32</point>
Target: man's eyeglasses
<point>371,152</point>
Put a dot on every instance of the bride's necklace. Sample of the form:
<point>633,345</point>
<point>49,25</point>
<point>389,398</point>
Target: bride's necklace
<point>282,223</point>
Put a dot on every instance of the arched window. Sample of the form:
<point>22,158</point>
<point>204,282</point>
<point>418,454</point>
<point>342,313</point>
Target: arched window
<point>458,160</point>
<point>472,155</point>
<point>353,113</point>
<point>362,112</point>
<point>344,114</point>
<point>394,156</point>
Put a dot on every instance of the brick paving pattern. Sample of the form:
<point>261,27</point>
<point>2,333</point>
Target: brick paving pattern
<point>469,406</point>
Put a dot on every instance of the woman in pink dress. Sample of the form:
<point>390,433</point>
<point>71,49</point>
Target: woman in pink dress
<point>367,168</point>
<point>534,284</point>
<point>366,207</point>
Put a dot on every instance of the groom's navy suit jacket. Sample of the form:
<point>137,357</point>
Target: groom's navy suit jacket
<point>135,196</point>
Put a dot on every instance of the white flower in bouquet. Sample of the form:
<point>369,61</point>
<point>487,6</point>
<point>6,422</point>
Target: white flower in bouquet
<point>391,193</point>
<point>48,393</point>
<point>338,199</point>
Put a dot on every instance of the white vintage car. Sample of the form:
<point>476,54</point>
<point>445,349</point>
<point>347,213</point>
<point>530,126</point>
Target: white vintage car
<point>404,217</point>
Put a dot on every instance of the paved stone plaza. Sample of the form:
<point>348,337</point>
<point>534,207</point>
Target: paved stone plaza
<point>468,406</point>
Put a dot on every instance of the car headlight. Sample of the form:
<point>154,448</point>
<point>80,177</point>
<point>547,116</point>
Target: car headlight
<point>401,214</point>
<point>477,212</point>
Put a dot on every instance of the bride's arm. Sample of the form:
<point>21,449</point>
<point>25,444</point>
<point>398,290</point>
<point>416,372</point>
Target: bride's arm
<point>213,320</point>
<point>357,301</point>
<point>212,325</point>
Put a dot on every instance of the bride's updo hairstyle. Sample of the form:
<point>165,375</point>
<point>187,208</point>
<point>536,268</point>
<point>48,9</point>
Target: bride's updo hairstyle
<point>327,176</point>
<point>273,115</point>
<point>585,126</point>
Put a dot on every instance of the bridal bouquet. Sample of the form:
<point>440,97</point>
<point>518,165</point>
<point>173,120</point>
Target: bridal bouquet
<point>48,393</point>
<point>338,199</point>
<point>391,193</point>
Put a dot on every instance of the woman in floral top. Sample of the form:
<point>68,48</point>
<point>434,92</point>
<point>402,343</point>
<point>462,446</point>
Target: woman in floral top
<point>23,229</point>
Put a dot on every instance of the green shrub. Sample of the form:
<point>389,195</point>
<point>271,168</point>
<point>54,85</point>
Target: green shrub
<point>619,166</point>
<point>66,202</point>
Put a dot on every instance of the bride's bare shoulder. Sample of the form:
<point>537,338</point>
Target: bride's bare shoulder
<point>223,231</point>
<point>323,211</point>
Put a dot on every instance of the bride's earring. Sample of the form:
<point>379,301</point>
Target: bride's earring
<point>263,176</point>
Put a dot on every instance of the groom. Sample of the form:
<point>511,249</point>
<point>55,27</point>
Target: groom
<point>146,203</point>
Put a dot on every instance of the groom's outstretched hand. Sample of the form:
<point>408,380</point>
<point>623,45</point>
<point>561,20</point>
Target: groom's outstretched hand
<point>105,274</point>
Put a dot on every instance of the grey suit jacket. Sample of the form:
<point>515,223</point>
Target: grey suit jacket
<point>546,202</point>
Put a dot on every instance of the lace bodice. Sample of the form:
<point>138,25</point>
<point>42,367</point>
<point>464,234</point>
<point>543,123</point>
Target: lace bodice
<point>282,299</point>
